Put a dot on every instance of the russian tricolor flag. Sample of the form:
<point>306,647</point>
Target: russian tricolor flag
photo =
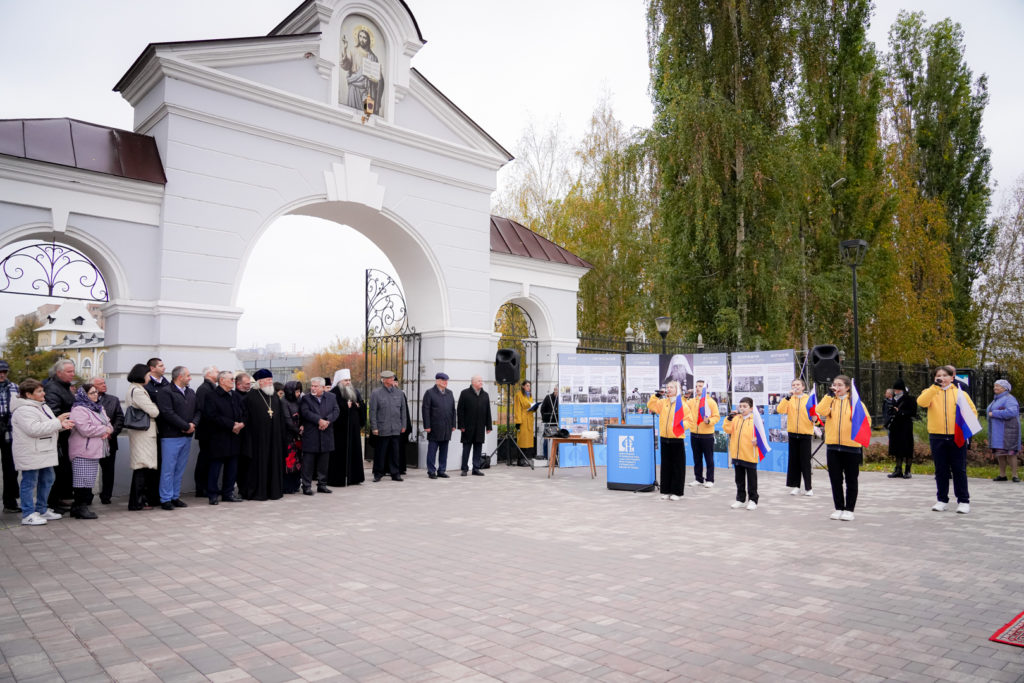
<point>702,405</point>
<point>860,423</point>
<point>677,420</point>
<point>967,424</point>
<point>812,408</point>
<point>760,435</point>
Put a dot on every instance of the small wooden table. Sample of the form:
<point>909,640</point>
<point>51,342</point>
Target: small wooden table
<point>555,441</point>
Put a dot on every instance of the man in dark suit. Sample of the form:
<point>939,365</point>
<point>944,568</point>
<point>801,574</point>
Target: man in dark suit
<point>175,426</point>
<point>474,420</point>
<point>317,412</point>
<point>60,398</point>
<point>439,422</point>
<point>202,471</point>
<point>112,407</point>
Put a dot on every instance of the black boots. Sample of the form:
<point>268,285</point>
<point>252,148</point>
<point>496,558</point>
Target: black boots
<point>80,508</point>
<point>906,470</point>
<point>137,492</point>
<point>898,472</point>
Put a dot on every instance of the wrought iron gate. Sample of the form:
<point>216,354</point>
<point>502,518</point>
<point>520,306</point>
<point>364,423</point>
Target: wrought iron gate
<point>390,343</point>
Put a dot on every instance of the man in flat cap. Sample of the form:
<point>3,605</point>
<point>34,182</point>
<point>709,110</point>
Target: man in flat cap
<point>346,464</point>
<point>474,420</point>
<point>439,423</point>
<point>265,436</point>
<point>388,417</point>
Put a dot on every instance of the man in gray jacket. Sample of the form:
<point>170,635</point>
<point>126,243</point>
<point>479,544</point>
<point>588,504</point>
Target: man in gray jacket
<point>388,416</point>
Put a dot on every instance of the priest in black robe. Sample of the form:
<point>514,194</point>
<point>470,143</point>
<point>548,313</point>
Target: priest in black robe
<point>345,467</point>
<point>265,435</point>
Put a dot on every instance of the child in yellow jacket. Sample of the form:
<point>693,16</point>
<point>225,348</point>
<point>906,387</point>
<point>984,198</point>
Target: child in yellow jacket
<point>702,436</point>
<point>800,429</point>
<point>670,408</point>
<point>940,402</point>
<point>843,454</point>
<point>743,454</point>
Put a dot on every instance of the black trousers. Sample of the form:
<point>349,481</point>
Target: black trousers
<point>437,451</point>
<point>673,466</point>
<point>11,488</point>
<point>843,465</point>
<point>948,458</point>
<point>213,468</point>
<point>386,451</point>
<point>107,472</point>
<point>315,463</point>
<point>202,470</point>
<point>799,461</point>
<point>478,449</point>
<point>703,446</point>
<point>62,487</point>
<point>746,483</point>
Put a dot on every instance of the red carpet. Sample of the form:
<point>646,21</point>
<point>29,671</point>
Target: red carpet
<point>1012,633</point>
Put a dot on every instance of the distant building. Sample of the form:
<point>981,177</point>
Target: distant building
<point>75,334</point>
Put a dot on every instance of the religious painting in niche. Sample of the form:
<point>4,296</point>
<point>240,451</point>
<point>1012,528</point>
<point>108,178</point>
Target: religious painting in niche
<point>363,59</point>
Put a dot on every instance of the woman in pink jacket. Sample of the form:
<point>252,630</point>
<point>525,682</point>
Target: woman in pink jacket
<point>87,444</point>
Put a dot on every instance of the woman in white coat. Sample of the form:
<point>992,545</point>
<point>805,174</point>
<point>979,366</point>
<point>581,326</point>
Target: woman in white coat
<point>34,430</point>
<point>143,460</point>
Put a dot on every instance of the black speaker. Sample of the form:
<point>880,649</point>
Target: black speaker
<point>824,362</point>
<point>506,366</point>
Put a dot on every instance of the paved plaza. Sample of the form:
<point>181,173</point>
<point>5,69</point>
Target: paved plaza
<point>515,577</point>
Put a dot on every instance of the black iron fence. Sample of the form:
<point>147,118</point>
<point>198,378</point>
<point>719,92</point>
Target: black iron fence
<point>588,344</point>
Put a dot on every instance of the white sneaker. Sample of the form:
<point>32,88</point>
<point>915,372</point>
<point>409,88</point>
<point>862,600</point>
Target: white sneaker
<point>795,492</point>
<point>940,507</point>
<point>809,492</point>
<point>694,483</point>
<point>709,484</point>
<point>736,505</point>
<point>51,515</point>
<point>836,515</point>
<point>33,520</point>
<point>664,496</point>
<point>673,497</point>
<point>751,505</point>
<point>963,508</point>
<point>847,516</point>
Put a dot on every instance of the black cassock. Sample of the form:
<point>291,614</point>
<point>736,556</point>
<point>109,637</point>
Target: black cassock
<point>265,440</point>
<point>346,463</point>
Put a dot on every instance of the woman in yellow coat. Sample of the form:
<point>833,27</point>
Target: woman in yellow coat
<point>524,420</point>
<point>940,401</point>
<point>800,428</point>
<point>672,413</point>
<point>843,454</point>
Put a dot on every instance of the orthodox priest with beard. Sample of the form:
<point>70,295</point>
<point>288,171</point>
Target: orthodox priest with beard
<point>266,434</point>
<point>345,467</point>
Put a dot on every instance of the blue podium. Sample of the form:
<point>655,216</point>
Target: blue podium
<point>631,462</point>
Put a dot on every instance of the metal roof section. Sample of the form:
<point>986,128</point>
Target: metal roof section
<point>510,237</point>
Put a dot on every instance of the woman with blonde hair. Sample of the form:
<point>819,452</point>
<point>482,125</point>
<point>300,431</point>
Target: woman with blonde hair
<point>145,470</point>
<point>671,409</point>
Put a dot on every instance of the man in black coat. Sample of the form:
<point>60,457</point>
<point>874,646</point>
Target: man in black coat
<point>175,426</point>
<point>222,427</point>
<point>210,374</point>
<point>157,383</point>
<point>60,398</point>
<point>112,407</point>
<point>264,437</point>
<point>902,411</point>
<point>318,411</point>
<point>346,463</point>
<point>474,420</point>
<point>439,420</point>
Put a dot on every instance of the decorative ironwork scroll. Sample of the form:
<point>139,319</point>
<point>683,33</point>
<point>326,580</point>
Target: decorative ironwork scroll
<point>52,270</point>
<point>385,306</point>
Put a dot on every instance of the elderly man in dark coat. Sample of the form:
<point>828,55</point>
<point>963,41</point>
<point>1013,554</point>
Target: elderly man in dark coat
<point>265,436</point>
<point>318,410</point>
<point>60,398</point>
<point>346,464</point>
<point>389,414</point>
<point>223,424</point>
<point>902,411</point>
<point>202,468</point>
<point>474,420</point>
<point>438,423</point>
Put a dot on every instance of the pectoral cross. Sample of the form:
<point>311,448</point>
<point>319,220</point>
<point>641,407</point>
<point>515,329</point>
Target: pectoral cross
<point>270,412</point>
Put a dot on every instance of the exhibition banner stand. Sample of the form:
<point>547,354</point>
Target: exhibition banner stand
<point>765,377</point>
<point>630,453</point>
<point>590,400</point>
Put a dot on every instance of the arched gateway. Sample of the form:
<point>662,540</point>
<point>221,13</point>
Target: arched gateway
<point>325,117</point>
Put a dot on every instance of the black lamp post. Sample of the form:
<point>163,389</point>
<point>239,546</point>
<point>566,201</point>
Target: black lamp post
<point>852,252</point>
<point>630,338</point>
<point>664,324</point>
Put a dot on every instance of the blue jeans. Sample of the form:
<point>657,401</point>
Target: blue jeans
<point>441,448</point>
<point>35,489</point>
<point>175,456</point>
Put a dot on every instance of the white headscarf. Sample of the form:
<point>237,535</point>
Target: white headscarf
<point>340,375</point>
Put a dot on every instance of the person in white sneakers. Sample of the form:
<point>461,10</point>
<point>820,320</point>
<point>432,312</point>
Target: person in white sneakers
<point>743,454</point>
<point>701,421</point>
<point>940,401</point>
<point>800,429</point>
<point>844,455</point>
<point>34,444</point>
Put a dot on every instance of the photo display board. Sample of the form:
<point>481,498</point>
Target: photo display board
<point>589,399</point>
<point>765,377</point>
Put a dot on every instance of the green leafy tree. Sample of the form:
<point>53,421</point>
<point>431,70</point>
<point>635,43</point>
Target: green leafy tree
<point>22,355</point>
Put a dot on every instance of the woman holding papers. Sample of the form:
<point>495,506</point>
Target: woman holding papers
<point>669,406</point>
<point>799,427</point>
<point>952,419</point>
<point>841,412</point>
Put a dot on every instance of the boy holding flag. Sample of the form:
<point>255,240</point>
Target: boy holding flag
<point>703,414</point>
<point>748,445</point>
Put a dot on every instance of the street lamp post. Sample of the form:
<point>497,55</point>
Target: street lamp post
<point>852,252</point>
<point>664,324</point>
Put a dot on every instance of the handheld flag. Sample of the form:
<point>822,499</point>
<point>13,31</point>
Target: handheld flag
<point>677,420</point>
<point>966,423</point>
<point>761,436</point>
<point>860,423</point>
<point>812,408</point>
<point>702,405</point>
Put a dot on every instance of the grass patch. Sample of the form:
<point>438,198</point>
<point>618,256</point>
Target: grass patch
<point>928,468</point>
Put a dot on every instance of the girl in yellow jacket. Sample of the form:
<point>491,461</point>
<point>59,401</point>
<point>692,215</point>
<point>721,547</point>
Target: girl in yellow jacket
<point>742,439</point>
<point>665,404</point>
<point>940,401</point>
<point>800,429</point>
<point>702,436</point>
<point>843,454</point>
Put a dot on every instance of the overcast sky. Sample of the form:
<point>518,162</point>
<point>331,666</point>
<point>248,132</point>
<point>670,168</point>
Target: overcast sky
<point>503,63</point>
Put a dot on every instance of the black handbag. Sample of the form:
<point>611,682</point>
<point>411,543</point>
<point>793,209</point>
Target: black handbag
<point>136,418</point>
